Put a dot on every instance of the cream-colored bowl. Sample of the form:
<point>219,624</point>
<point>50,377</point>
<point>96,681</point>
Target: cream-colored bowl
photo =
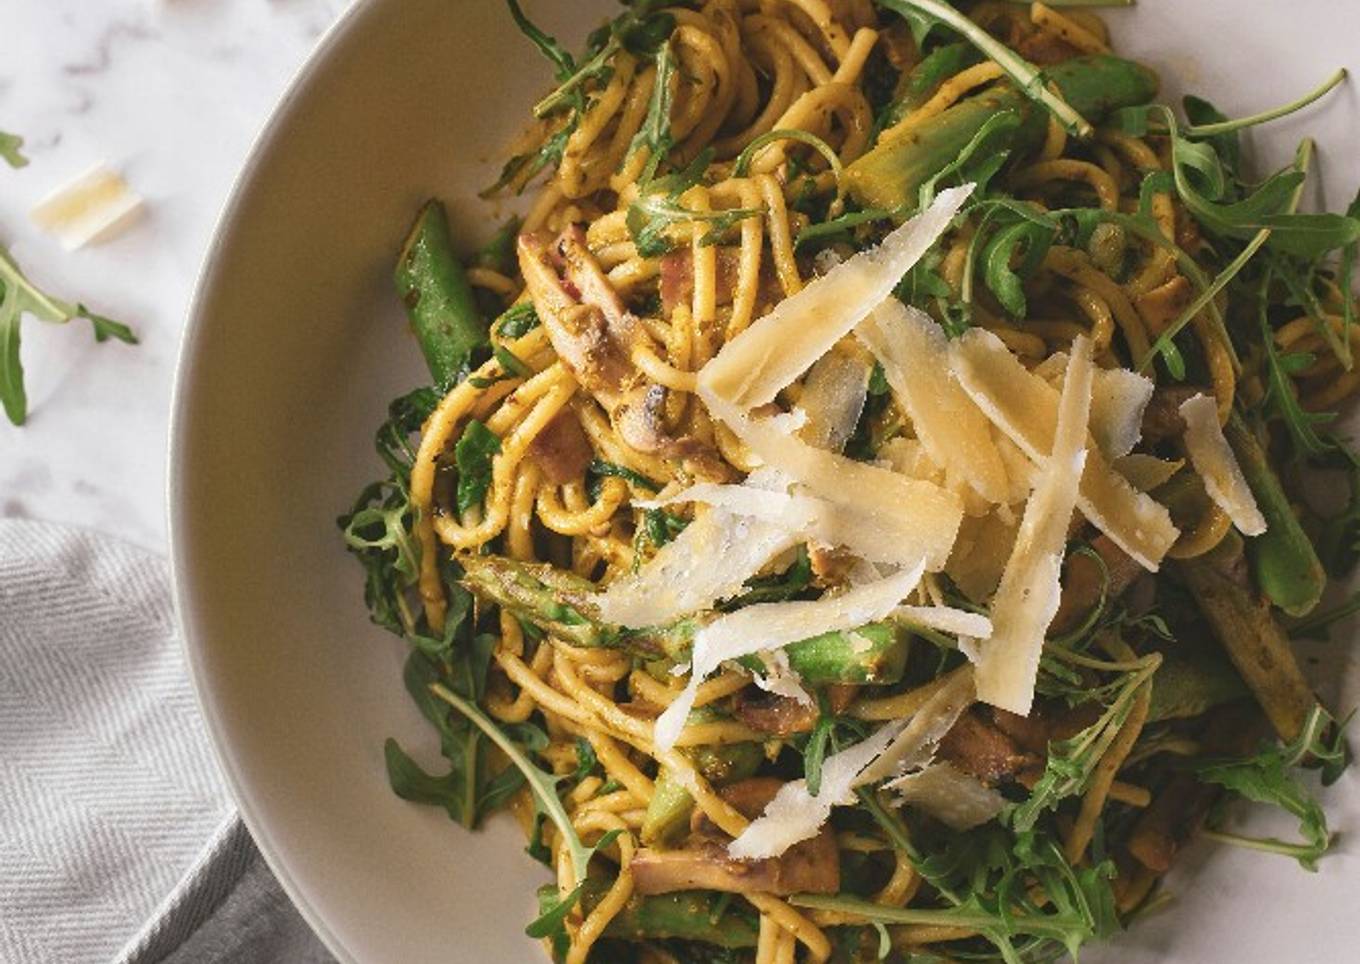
<point>295,346</point>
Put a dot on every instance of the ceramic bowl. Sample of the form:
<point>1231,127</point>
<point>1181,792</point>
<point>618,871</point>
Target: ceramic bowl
<point>295,346</point>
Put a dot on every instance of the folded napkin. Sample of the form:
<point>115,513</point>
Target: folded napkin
<point>118,840</point>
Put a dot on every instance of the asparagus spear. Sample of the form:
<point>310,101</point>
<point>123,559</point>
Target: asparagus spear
<point>1283,559</point>
<point>560,604</point>
<point>691,915</point>
<point>669,809</point>
<point>890,174</point>
<point>438,298</point>
<point>1254,641</point>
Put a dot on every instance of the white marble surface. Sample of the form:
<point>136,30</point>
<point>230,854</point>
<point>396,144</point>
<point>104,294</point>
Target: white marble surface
<point>171,93</point>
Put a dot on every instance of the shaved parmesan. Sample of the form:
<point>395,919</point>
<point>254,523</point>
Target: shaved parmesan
<point>890,541</point>
<point>833,398</point>
<point>710,560</point>
<point>780,678</point>
<point>91,208</point>
<point>1118,399</point>
<point>1025,407</point>
<point>1027,599</point>
<point>1213,459</point>
<point>924,517</point>
<point>957,622</point>
<point>752,368</point>
<point>980,555</point>
<point>914,354</point>
<point>916,743</point>
<point>795,814</point>
<point>769,626</point>
<point>1147,472</point>
<point>953,797</point>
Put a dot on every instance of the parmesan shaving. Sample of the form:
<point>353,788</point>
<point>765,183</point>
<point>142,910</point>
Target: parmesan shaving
<point>956,799</point>
<point>889,540</point>
<point>1025,408</point>
<point>924,516</point>
<point>751,369</point>
<point>1027,598</point>
<point>795,814</point>
<point>1118,399</point>
<point>956,622</point>
<point>709,561</point>
<point>1213,459</point>
<point>914,746</point>
<point>1147,472</point>
<point>770,626</point>
<point>94,207</point>
<point>914,354</point>
<point>980,555</point>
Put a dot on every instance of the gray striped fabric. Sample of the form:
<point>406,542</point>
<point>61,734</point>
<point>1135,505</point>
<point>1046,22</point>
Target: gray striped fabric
<point>117,838</point>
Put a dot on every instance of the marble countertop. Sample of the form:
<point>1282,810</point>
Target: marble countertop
<point>170,93</point>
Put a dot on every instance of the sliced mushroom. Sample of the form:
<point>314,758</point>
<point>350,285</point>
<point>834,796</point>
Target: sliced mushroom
<point>595,336</point>
<point>773,714</point>
<point>977,747</point>
<point>562,449</point>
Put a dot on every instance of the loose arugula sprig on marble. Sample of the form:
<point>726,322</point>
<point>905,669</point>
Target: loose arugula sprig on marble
<point>19,297</point>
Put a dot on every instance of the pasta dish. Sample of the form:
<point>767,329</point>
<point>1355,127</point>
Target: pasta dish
<point>861,510</point>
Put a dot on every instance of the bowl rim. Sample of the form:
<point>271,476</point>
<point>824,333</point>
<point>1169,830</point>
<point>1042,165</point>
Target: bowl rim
<point>350,22</point>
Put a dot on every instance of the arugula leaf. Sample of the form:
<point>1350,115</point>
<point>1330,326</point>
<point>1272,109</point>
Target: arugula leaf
<point>517,321</point>
<point>18,297</point>
<point>815,751</point>
<point>600,468</point>
<point>640,30</point>
<point>1030,241</point>
<point>655,132</point>
<point>923,15</point>
<point>660,526</point>
<point>11,150</point>
<point>1212,127</point>
<point>1071,762</point>
<point>378,528</point>
<point>543,785</point>
<point>1266,778</point>
<point>658,210</point>
<point>473,455</point>
<point>996,129</point>
<point>498,254</point>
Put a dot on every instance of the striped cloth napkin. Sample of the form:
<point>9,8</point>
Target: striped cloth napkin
<point>118,840</point>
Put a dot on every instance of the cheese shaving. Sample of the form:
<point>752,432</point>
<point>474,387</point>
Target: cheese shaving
<point>1118,399</point>
<point>876,539</point>
<point>925,516</point>
<point>1147,472</point>
<point>956,799</point>
<point>1027,598</point>
<point>1025,408</point>
<point>914,353</point>
<point>769,626</point>
<point>94,207</point>
<point>1213,459</point>
<point>795,814</point>
<point>956,622</point>
<point>709,561</point>
<point>752,368</point>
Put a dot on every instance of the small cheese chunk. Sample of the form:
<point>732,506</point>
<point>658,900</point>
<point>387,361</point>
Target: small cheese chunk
<point>1213,459</point>
<point>93,207</point>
